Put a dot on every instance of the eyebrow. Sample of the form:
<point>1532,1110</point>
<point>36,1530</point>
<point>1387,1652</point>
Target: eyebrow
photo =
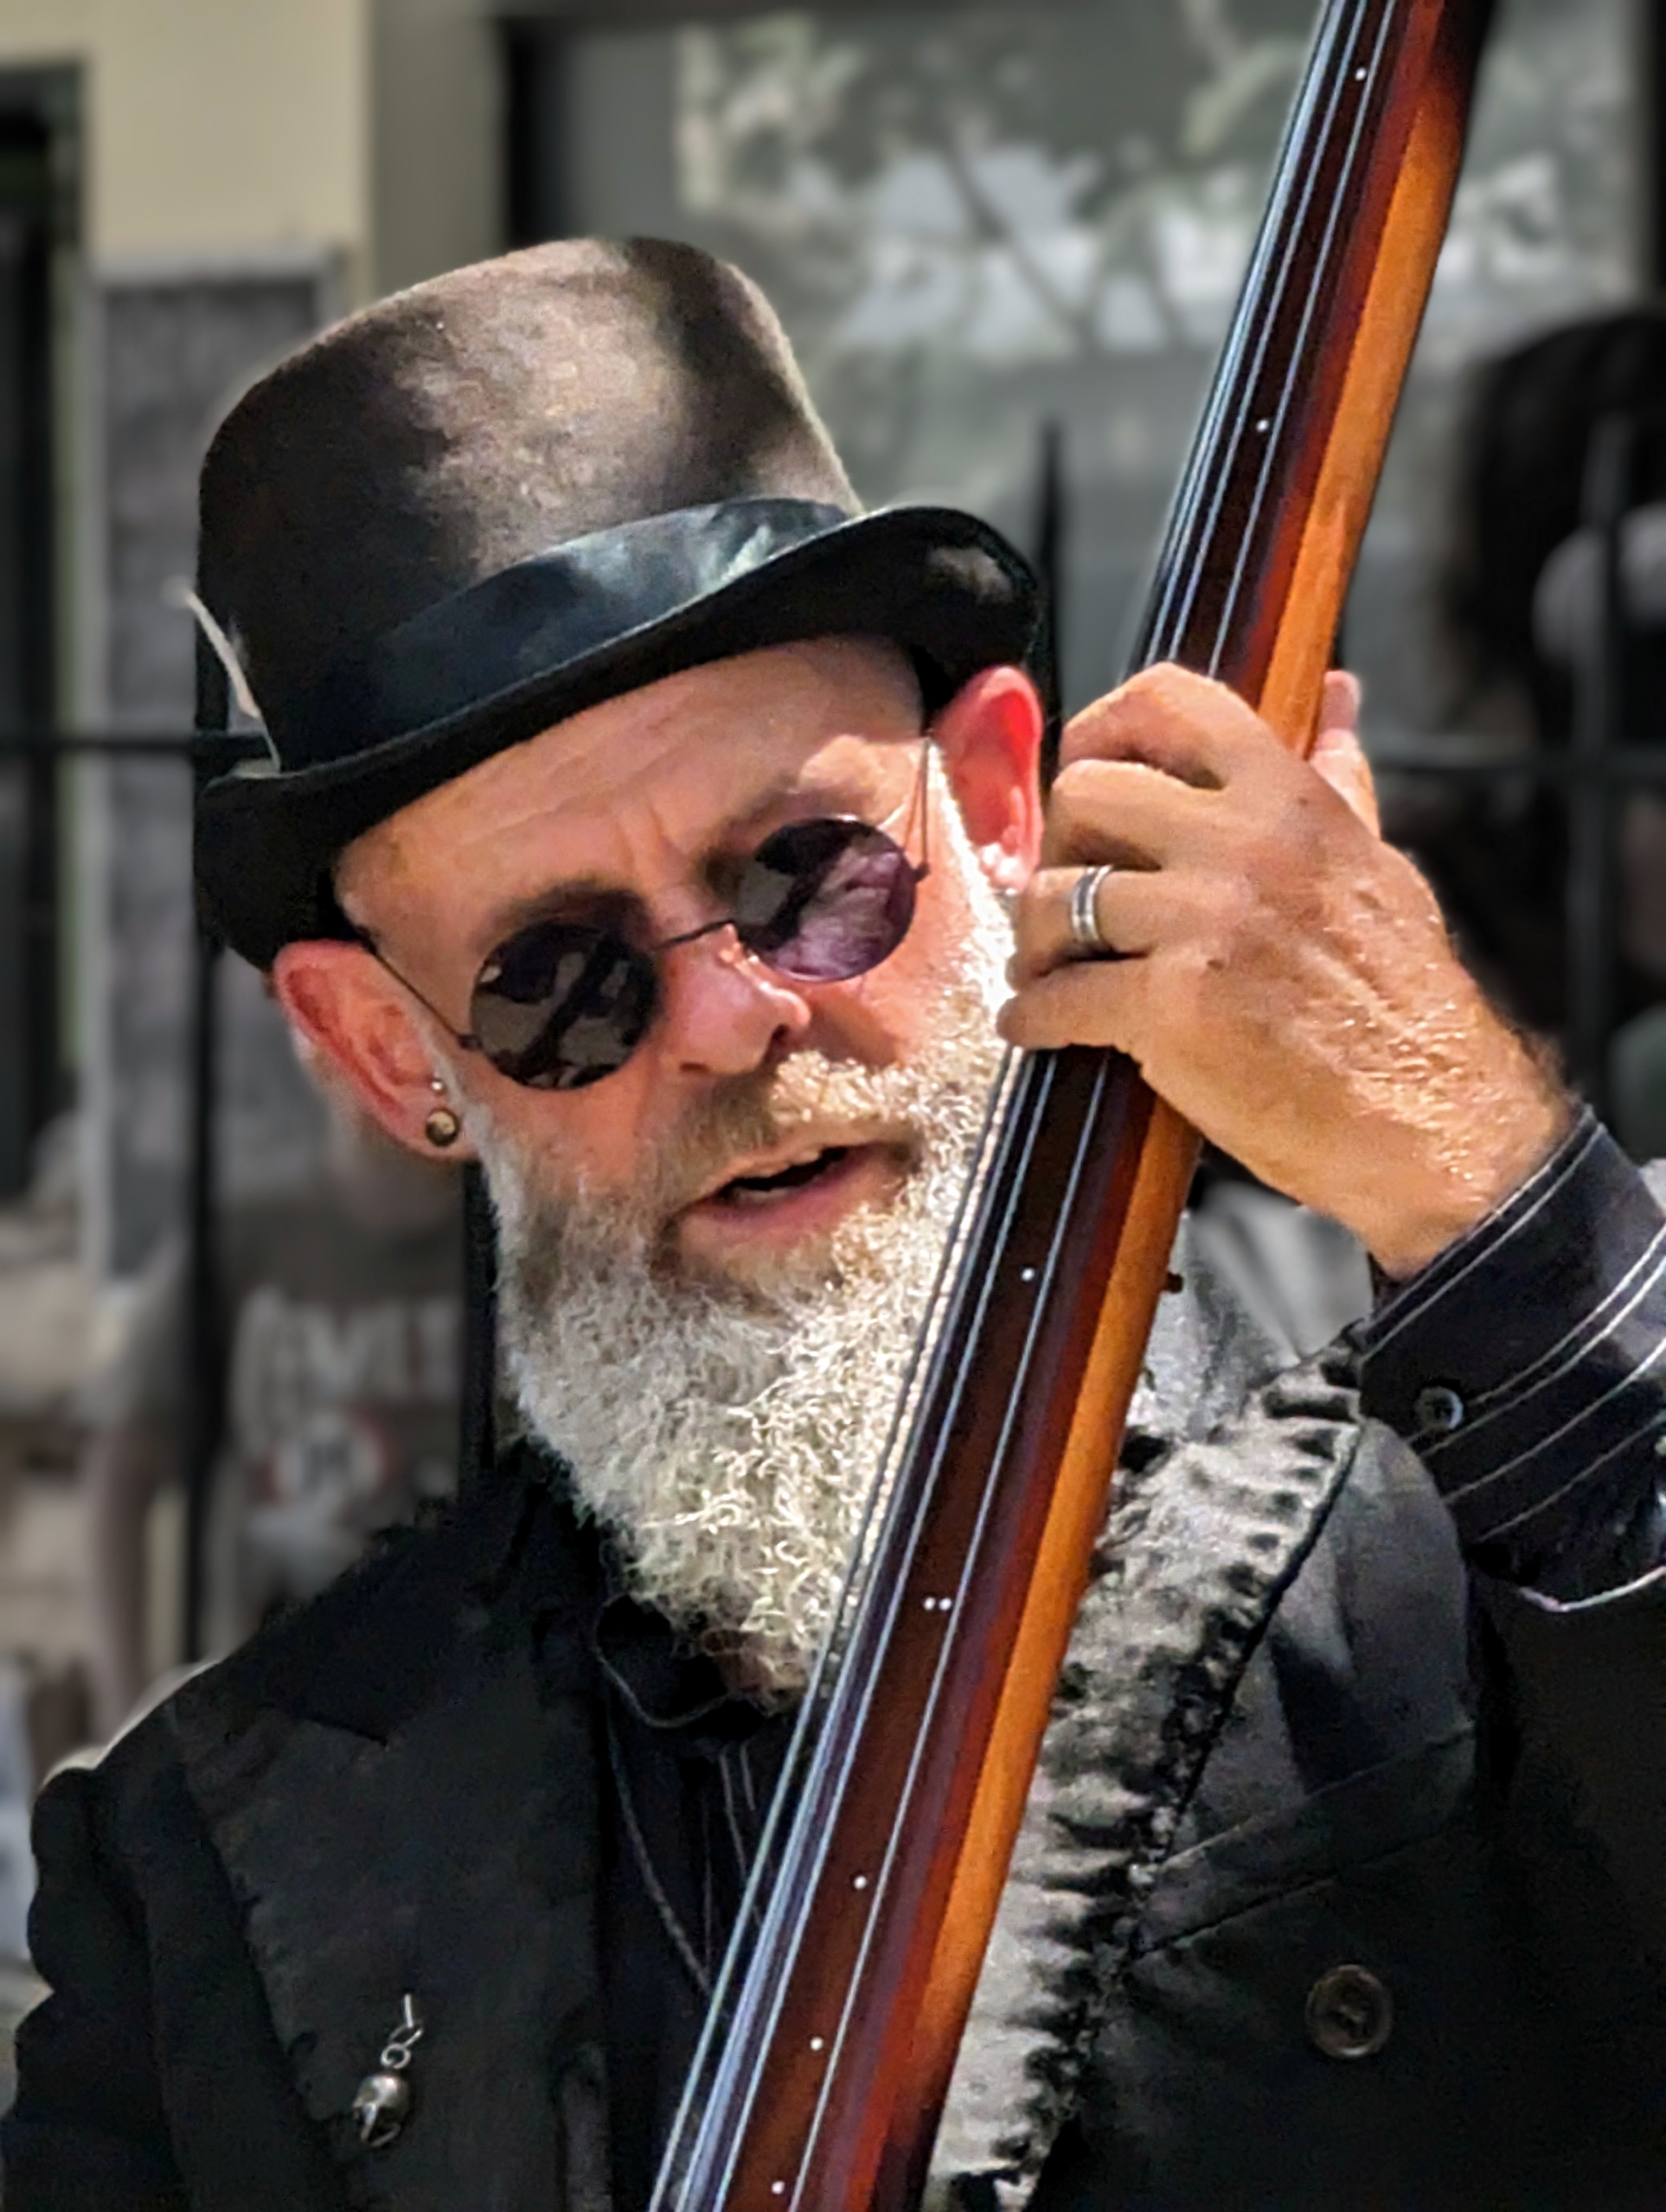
<point>589,893</point>
<point>574,896</point>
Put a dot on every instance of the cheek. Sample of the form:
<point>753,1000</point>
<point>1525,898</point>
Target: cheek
<point>886,1016</point>
<point>950,931</point>
<point>596,1136</point>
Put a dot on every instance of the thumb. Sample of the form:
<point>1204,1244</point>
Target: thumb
<point>1337,754</point>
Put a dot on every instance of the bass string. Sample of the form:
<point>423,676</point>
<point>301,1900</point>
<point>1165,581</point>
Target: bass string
<point>1250,404</point>
<point>1318,284</point>
<point>1218,447</point>
<point>888,1591</point>
<point>776,1866</point>
<point>1209,491</point>
<point>1271,271</point>
<point>815,1819</point>
<point>992,1483</point>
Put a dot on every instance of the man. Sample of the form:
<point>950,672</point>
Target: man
<point>643,822</point>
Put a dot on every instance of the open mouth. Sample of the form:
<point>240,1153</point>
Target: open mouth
<point>753,1190</point>
<point>776,1206</point>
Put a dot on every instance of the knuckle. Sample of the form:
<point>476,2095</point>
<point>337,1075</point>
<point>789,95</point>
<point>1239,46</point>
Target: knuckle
<point>1182,694</point>
<point>1090,733</point>
<point>1166,684</point>
<point>1282,848</point>
<point>1029,929</point>
<point>1192,978</point>
<point>1078,800</point>
<point>1069,785</point>
<point>1237,919</point>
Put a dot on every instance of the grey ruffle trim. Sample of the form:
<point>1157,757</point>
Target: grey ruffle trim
<point>1199,1549</point>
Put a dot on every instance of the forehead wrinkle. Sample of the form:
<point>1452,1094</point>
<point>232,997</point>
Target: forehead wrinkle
<point>801,698</point>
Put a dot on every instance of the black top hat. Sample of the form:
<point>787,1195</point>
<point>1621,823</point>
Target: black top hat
<point>508,494</point>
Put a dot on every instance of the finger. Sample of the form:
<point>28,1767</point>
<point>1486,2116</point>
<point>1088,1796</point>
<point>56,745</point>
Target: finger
<point>1093,1002</point>
<point>1339,758</point>
<point>1136,910</point>
<point>1170,718</point>
<point>1125,812</point>
<point>1339,702</point>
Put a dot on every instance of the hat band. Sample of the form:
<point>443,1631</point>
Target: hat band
<point>539,615</point>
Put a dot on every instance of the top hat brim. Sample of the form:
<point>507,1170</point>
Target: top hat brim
<point>943,586</point>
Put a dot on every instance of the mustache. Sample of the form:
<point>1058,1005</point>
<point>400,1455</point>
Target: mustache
<point>758,1112</point>
<point>738,1117</point>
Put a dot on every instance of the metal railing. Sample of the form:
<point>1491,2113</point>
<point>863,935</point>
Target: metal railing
<point>1596,768</point>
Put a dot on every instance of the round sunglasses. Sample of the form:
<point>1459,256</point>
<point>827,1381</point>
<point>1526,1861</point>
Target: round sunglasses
<point>562,1004</point>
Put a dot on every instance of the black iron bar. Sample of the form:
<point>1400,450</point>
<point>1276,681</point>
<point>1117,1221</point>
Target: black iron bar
<point>1652,57</point>
<point>1599,709</point>
<point>1046,659</point>
<point>1599,761</point>
<point>1627,764</point>
<point>203,1394</point>
<point>211,746</point>
<point>478,1425</point>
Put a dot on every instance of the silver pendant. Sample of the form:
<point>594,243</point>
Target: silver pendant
<point>381,2103</point>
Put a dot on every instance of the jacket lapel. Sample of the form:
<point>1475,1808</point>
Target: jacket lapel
<point>1227,1480</point>
<point>438,1841</point>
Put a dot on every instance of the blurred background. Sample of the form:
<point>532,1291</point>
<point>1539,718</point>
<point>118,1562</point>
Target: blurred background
<point>1005,240</point>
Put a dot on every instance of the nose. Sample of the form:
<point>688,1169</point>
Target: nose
<point>723,1011</point>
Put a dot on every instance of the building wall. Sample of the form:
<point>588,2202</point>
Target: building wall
<point>436,132</point>
<point>224,191</point>
<point>213,126</point>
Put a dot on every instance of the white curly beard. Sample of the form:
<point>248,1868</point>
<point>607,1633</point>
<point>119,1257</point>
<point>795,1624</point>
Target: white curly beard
<point>727,1431</point>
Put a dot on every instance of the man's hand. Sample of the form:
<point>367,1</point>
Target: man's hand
<point>1285,979</point>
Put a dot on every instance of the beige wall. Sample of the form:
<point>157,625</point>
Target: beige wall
<point>437,137</point>
<point>371,128</point>
<point>438,159</point>
<point>214,126</point>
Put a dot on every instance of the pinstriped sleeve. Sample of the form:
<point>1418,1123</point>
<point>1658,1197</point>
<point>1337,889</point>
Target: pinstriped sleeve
<point>1527,1367</point>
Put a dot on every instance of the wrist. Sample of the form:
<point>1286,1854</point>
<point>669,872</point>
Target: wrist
<point>1460,1183</point>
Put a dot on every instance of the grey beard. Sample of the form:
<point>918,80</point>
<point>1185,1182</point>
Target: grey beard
<point>727,1432</point>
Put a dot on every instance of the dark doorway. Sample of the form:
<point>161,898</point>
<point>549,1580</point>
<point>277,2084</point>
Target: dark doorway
<point>536,196</point>
<point>29,196</point>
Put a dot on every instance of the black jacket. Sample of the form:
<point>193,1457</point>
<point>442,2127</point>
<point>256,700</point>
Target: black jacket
<point>1298,1733</point>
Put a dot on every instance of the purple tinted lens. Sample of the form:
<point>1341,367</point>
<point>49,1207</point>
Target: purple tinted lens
<point>562,1004</point>
<point>824,901</point>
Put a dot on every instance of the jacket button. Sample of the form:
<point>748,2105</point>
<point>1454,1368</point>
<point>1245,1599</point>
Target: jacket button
<point>1438,1410</point>
<point>1350,2014</point>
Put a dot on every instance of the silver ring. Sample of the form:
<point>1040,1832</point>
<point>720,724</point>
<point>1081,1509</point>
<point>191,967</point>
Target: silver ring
<point>1086,934</point>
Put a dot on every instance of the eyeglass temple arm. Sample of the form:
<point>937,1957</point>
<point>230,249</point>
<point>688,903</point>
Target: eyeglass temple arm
<point>465,1039</point>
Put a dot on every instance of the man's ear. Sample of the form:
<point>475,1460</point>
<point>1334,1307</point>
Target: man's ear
<point>347,1005</point>
<point>989,735</point>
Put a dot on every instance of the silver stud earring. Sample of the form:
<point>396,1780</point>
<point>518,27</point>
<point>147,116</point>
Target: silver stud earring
<point>442,1127</point>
